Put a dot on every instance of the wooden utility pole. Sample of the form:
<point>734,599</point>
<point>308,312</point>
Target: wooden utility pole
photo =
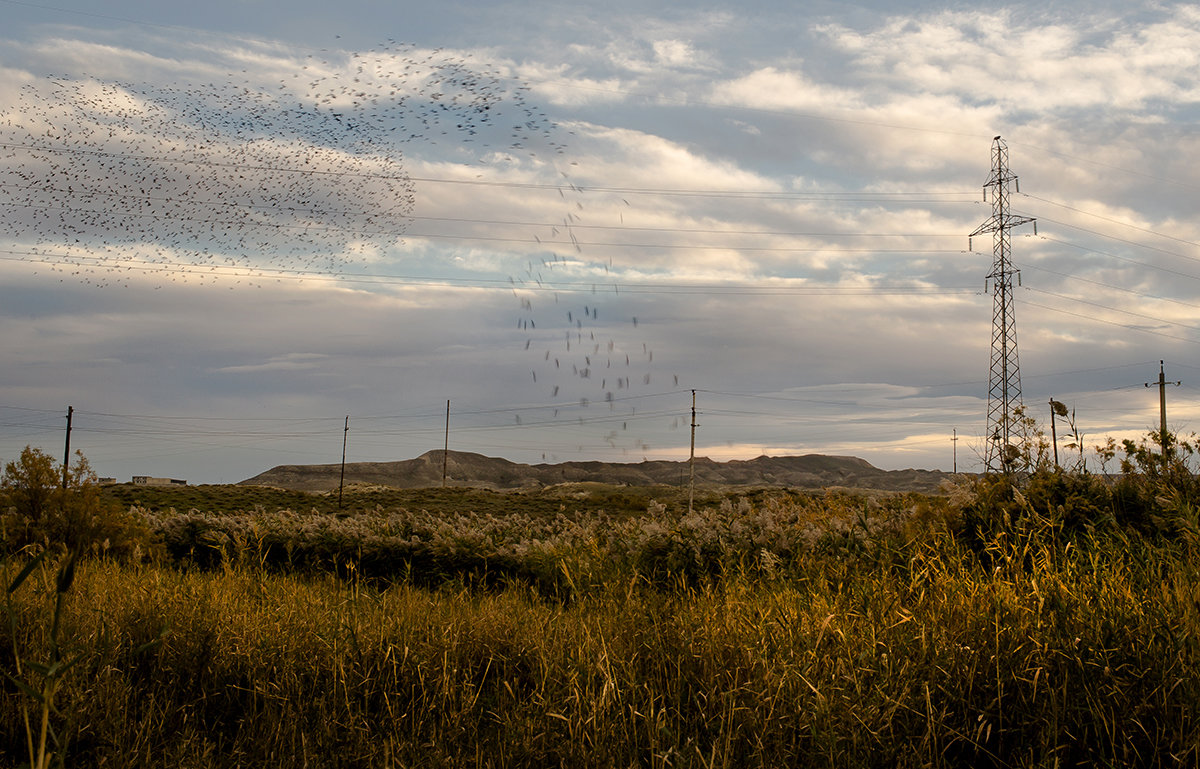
<point>1055,409</point>
<point>67,451</point>
<point>954,443</point>
<point>342,480</point>
<point>1162,409</point>
<point>1054,436</point>
<point>446,449</point>
<point>692,458</point>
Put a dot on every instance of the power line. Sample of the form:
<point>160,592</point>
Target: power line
<point>570,243</point>
<point>854,195</point>
<point>507,284</point>
<point>1114,238</point>
<point>1111,309</point>
<point>1113,287</point>
<point>306,228</point>
<point>110,17</point>
<point>108,196</point>
<point>1118,257</point>
<point>190,161</point>
<point>1126,326</point>
<point>1110,166</point>
<point>213,432</point>
<point>1112,221</point>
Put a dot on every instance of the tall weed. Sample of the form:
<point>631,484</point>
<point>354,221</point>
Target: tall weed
<point>919,653</point>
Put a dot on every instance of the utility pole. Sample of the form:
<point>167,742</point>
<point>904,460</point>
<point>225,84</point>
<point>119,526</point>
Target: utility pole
<point>1162,409</point>
<point>954,443</point>
<point>446,450</point>
<point>1004,381</point>
<point>692,458</point>
<point>67,451</point>
<point>1056,409</point>
<point>342,480</point>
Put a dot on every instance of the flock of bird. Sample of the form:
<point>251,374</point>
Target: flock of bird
<point>237,173</point>
<point>243,178</point>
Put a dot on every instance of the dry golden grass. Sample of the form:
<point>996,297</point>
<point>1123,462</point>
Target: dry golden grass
<point>1039,651</point>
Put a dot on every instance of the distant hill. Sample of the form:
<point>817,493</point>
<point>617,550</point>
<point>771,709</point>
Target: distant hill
<point>476,470</point>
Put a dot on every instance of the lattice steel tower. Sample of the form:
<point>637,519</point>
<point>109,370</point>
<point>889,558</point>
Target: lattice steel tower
<point>1004,382</point>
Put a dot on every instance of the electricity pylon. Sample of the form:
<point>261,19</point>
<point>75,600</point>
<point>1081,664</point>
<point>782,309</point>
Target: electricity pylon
<point>1004,381</point>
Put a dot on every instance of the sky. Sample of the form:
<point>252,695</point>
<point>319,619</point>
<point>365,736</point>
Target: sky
<point>240,234</point>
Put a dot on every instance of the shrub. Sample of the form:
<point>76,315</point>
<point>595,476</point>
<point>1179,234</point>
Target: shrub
<point>1155,493</point>
<point>37,508</point>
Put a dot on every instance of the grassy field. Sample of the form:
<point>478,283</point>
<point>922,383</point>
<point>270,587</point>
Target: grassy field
<point>612,630</point>
<point>570,498</point>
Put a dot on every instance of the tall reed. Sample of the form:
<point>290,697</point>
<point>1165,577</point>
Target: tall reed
<point>1049,651</point>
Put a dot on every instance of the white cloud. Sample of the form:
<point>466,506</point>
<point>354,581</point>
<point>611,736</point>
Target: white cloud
<point>775,89</point>
<point>675,53</point>
<point>293,361</point>
<point>1027,64</point>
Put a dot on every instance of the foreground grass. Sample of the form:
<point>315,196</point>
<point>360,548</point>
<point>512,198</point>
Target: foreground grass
<point>1034,652</point>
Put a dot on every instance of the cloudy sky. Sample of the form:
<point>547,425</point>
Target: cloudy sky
<point>228,226</point>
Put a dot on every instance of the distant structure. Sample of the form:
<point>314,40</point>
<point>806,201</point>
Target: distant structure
<point>146,480</point>
<point>1004,382</point>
